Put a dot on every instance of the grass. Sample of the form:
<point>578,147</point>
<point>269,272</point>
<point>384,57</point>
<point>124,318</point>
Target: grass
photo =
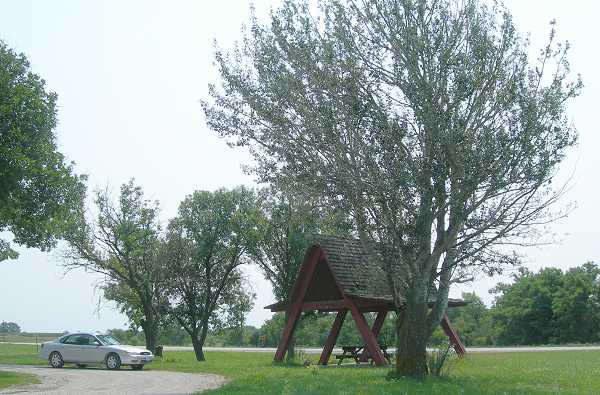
<point>11,378</point>
<point>19,354</point>
<point>566,372</point>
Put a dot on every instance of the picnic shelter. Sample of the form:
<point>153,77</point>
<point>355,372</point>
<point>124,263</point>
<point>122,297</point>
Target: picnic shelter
<point>336,276</point>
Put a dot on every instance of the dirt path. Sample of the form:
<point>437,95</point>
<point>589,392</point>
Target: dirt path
<point>101,381</point>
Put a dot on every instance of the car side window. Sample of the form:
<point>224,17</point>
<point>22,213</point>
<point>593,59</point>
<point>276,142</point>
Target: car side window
<point>81,340</point>
<point>91,341</point>
<point>73,339</point>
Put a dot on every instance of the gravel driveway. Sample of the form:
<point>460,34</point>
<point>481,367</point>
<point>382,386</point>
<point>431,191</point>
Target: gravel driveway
<point>99,381</point>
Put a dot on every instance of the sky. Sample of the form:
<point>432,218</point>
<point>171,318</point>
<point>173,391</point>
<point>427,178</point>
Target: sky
<point>130,76</point>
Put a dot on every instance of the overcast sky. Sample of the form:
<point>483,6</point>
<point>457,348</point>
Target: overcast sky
<point>129,76</point>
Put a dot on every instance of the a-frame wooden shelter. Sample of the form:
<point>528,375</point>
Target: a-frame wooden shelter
<point>337,277</point>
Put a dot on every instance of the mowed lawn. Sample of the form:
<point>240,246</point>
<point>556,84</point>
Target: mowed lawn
<point>11,378</point>
<point>568,372</point>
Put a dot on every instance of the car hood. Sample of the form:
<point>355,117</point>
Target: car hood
<point>126,348</point>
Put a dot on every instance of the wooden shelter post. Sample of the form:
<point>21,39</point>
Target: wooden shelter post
<point>376,329</point>
<point>379,320</point>
<point>295,309</point>
<point>366,333</point>
<point>333,335</point>
<point>453,336</point>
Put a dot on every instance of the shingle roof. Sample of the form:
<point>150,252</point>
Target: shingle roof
<point>358,276</point>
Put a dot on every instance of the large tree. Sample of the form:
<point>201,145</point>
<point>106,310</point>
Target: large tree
<point>424,119</point>
<point>207,242</point>
<point>9,328</point>
<point>39,191</point>
<point>124,244</point>
<point>549,307</point>
<point>576,305</point>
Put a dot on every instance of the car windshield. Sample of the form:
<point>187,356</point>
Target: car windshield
<point>108,340</point>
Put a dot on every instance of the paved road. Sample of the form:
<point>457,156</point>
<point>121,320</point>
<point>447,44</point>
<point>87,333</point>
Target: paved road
<point>469,349</point>
<point>100,381</point>
<point>337,350</point>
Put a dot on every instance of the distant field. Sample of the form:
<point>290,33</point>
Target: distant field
<point>29,337</point>
<point>557,372</point>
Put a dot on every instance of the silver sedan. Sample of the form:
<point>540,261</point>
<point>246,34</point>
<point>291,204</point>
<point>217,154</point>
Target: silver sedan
<point>86,348</point>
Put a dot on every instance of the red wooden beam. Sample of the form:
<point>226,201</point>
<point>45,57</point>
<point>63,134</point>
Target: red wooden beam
<point>305,275</point>
<point>366,334</point>
<point>333,335</point>
<point>334,305</point>
<point>326,305</point>
<point>376,329</point>
<point>453,336</point>
<point>378,324</point>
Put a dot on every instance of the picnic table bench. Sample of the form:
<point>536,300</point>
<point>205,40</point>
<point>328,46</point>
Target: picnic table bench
<point>360,353</point>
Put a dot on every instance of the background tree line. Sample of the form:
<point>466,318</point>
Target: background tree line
<point>548,307</point>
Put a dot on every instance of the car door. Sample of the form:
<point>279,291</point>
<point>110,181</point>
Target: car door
<point>89,350</point>
<point>69,348</point>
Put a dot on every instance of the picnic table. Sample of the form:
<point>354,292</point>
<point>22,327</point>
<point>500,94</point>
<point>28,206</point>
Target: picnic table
<point>360,354</point>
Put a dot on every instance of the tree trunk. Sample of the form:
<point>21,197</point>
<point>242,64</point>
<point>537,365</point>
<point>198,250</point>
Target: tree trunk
<point>198,340</point>
<point>150,334</point>
<point>198,349</point>
<point>411,358</point>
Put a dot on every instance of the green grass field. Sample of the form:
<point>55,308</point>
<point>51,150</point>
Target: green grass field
<point>29,337</point>
<point>11,378</point>
<point>566,372</point>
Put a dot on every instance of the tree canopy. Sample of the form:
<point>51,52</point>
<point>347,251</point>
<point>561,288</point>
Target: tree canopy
<point>424,120</point>
<point>549,307</point>
<point>39,190</point>
<point>9,328</point>
<point>123,243</point>
<point>207,242</point>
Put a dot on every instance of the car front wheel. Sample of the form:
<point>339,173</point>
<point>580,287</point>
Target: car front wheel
<point>56,360</point>
<point>137,367</point>
<point>113,362</point>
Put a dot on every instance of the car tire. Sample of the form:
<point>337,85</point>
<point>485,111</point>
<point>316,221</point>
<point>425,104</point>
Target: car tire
<point>56,360</point>
<point>137,367</point>
<point>81,365</point>
<point>113,361</point>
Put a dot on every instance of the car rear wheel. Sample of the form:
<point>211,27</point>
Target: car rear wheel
<point>137,367</point>
<point>56,360</point>
<point>113,362</point>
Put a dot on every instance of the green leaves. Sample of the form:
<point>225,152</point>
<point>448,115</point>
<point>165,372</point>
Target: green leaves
<point>40,195</point>
<point>424,121</point>
<point>550,306</point>
<point>124,243</point>
<point>206,243</point>
<point>284,232</point>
